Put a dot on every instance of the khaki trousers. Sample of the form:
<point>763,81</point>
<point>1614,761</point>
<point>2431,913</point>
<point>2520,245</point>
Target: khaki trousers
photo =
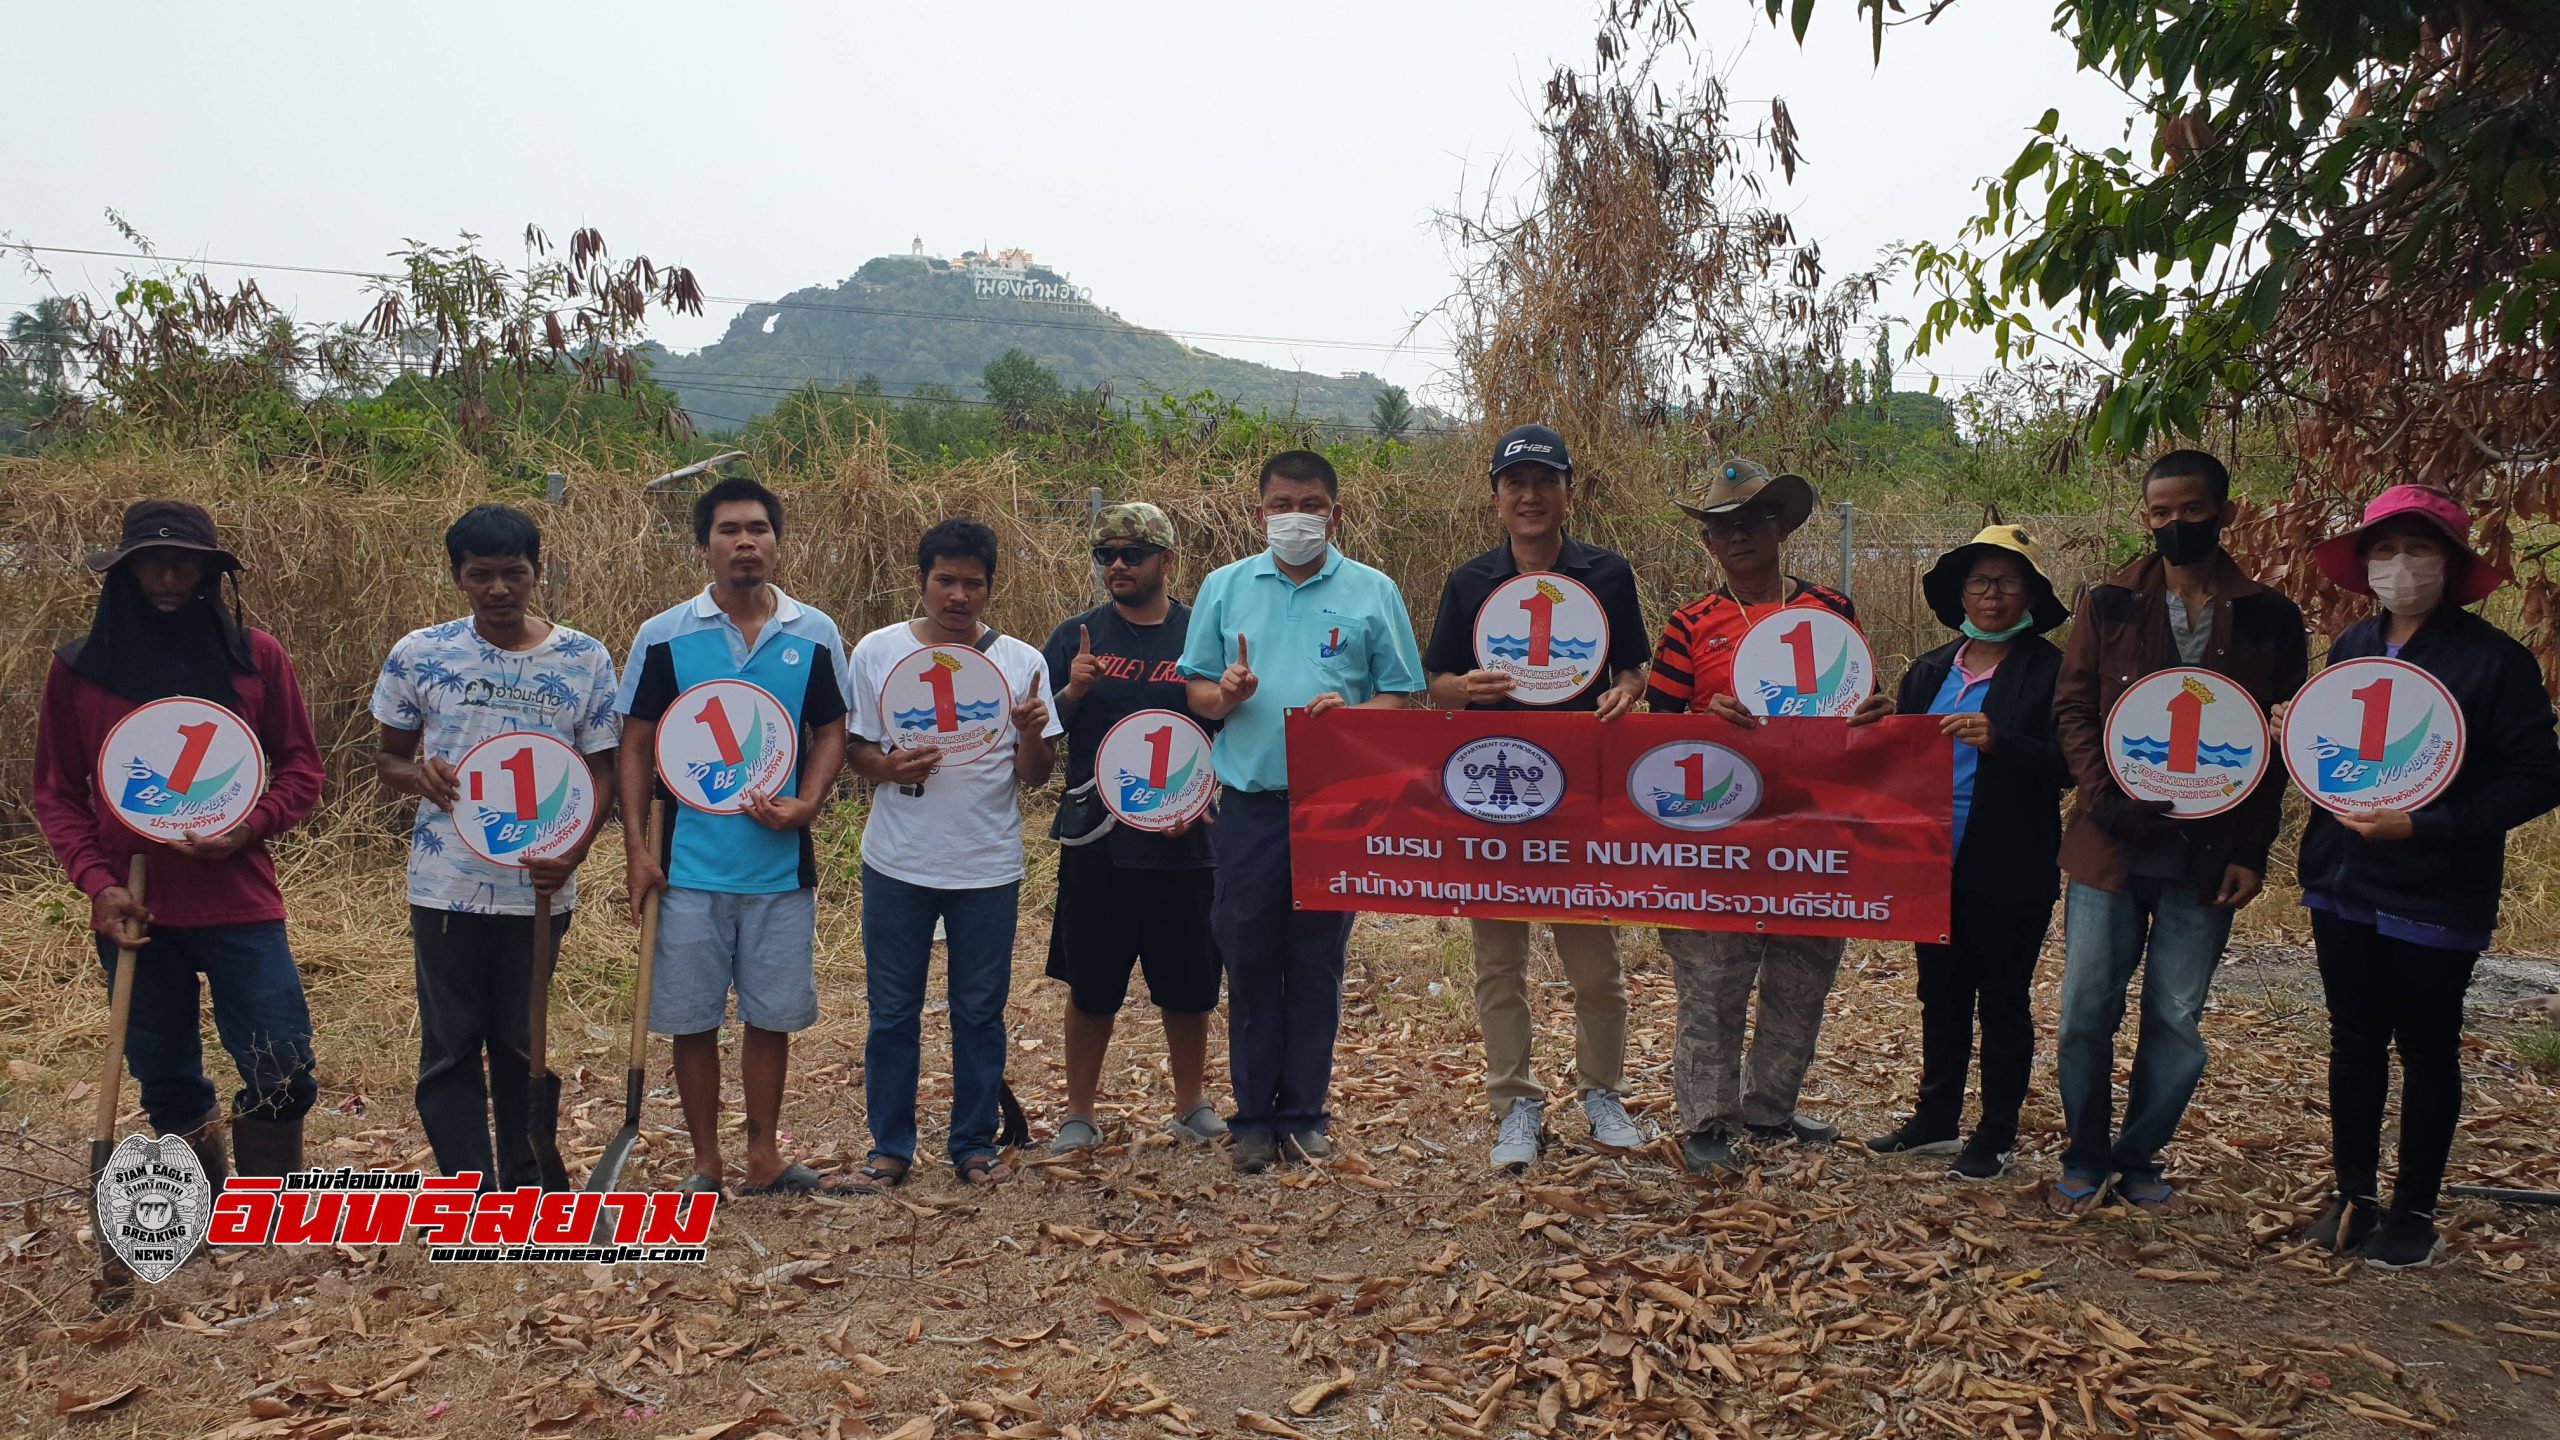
<point>1590,956</point>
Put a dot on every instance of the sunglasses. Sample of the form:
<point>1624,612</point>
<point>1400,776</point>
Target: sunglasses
<point>1130,555</point>
<point>1742,523</point>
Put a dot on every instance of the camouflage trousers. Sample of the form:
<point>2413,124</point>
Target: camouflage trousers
<point>1720,1083</point>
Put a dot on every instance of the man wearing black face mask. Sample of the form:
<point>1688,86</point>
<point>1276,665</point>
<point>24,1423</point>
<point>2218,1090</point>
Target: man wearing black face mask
<point>2146,889</point>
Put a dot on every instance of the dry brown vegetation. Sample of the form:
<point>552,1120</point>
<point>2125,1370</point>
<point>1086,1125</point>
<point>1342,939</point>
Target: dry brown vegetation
<point>1398,1289</point>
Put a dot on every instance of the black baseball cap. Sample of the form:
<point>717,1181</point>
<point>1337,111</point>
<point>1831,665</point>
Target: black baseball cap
<point>1530,444</point>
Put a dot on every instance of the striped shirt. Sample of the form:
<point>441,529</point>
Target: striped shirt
<point>1694,662</point>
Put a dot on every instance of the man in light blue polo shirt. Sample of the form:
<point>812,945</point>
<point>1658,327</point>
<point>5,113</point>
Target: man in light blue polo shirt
<point>1296,626</point>
<point>740,910</point>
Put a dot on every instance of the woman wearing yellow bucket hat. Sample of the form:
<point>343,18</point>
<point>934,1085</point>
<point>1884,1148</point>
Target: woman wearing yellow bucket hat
<point>1993,688</point>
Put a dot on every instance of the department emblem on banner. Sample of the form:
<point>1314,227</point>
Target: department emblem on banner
<point>1503,779</point>
<point>154,1204</point>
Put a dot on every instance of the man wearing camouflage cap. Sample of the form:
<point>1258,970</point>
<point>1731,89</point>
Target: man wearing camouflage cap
<point>1128,897</point>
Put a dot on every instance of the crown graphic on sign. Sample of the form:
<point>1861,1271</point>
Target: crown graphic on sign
<point>947,661</point>
<point>1548,592</point>
<point>2197,688</point>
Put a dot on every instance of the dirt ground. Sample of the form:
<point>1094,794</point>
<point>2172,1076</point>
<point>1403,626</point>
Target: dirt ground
<point>1399,1289</point>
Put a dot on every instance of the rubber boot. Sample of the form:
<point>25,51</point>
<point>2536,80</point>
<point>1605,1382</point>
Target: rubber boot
<point>266,1148</point>
<point>205,1138</point>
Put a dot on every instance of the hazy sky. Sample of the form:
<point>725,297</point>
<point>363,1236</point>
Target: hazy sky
<point>1265,170</point>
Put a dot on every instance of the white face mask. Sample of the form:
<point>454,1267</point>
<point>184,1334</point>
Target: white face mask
<point>2407,584</point>
<point>1296,538</point>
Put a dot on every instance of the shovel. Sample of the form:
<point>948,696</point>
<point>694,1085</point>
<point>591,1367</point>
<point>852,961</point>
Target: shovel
<point>542,1087</point>
<point>115,1279</point>
<point>608,1172</point>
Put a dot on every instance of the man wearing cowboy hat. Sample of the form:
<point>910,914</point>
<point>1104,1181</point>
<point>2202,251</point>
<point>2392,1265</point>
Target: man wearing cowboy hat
<point>1744,515</point>
<point>1993,689</point>
<point>162,630</point>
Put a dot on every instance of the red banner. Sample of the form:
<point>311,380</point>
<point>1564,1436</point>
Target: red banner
<point>1798,827</point>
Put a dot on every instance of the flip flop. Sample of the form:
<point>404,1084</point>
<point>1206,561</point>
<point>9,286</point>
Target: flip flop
<point>695,1183</point>
<point>2154,1195</point>
<point>984,1168</point>
<point>795,1179</point>
<point>1079,1133</point>
<point>2073,1194</point>
<point>878,1175</point>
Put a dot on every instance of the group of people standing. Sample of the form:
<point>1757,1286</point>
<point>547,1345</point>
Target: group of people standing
<point>2402,904</point>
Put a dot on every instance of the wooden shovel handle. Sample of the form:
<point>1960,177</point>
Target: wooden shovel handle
<point>648,940</point>
<point>119,1013</point>
<point>538,1011</point>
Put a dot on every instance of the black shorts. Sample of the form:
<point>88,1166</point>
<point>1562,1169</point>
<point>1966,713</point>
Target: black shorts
<point>1110,919</point>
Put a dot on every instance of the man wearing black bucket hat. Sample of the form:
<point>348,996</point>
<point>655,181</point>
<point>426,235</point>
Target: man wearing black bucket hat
<point>163,629</point>
<point>1532,479</point>
<point>1992,688</point>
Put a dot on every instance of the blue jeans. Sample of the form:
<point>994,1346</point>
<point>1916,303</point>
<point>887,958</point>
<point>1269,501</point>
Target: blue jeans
<point>2105,935</point>
<point>897,952</point>
<point>257,1009</point>
<point>1284,971</point>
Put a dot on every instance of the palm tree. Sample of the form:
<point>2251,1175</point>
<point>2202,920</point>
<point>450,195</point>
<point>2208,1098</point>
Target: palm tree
<point>1393,413</point>
<point>44,339</point>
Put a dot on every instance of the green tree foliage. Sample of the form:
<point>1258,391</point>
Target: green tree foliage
<point>1391,414</point>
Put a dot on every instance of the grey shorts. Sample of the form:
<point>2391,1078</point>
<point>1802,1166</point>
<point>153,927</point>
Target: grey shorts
<point>760,945</point>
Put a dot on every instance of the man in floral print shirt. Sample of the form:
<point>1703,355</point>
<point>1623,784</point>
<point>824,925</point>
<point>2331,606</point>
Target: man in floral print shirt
<point>444,690</point>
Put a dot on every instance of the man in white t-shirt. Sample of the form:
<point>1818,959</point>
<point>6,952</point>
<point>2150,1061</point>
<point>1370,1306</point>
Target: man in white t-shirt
<point>445,689</point>
<point>943,843</point>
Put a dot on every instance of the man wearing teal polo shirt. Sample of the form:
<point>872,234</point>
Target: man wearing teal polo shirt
<point>1296,626</point>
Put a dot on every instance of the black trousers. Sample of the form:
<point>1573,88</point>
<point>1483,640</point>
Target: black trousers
<point>1986,968</point>
<point>475,989</point>
<point>2384,992</point>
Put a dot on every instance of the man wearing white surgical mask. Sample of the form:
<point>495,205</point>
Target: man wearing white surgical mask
<point>1299,625</point>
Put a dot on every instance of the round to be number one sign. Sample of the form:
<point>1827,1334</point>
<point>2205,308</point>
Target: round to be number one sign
<point>2373,734</point>
<point>1803,661</point>
<point>180,767</point>
<point>1154,769</point>
<point>525,796</point>
<point>723,742</point>
<point>2191,737</point>
<point>950,698</point>
<point>1547,632</point>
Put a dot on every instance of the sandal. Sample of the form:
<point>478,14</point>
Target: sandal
<point>795,1179</point>
<point>2073,1194</point>
<point>696,1183</point>
<point>878,1175</point>
<point>984,1168</point>
<point>1078,1133</point>
<point>2154,1195</point>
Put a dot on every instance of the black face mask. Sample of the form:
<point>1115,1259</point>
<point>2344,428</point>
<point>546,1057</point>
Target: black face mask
<point>2184,542</point>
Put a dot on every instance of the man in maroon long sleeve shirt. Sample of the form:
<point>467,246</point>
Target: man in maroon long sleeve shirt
<point>162,629</point>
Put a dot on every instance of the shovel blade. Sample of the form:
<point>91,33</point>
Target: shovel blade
<point>115,1278</point>
<point>542,1126</point>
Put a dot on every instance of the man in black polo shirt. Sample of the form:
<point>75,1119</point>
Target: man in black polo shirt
<point>1532,494</point>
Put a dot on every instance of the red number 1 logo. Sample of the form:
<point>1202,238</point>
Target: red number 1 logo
<point>1160,741</point>
<point>1542,625</point>
<point>2376,735</point>
<point>519,766</point>
<point>715,716</point>
<point>1800,640</point>
<point>1693,775</point>
<point>946,714</point>
<point>2186,730</point>
<point>199,739</point>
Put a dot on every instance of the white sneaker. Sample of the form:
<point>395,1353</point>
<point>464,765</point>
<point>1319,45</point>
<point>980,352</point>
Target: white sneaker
<point>1516,1147</point>
<point>1612,1128</point>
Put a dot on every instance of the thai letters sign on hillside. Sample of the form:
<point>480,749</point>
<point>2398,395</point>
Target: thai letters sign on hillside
<point>1800,827</point>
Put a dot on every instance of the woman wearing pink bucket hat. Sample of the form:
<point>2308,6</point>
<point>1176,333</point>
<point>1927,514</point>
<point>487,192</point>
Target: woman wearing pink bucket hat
<point>2402,903</point>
